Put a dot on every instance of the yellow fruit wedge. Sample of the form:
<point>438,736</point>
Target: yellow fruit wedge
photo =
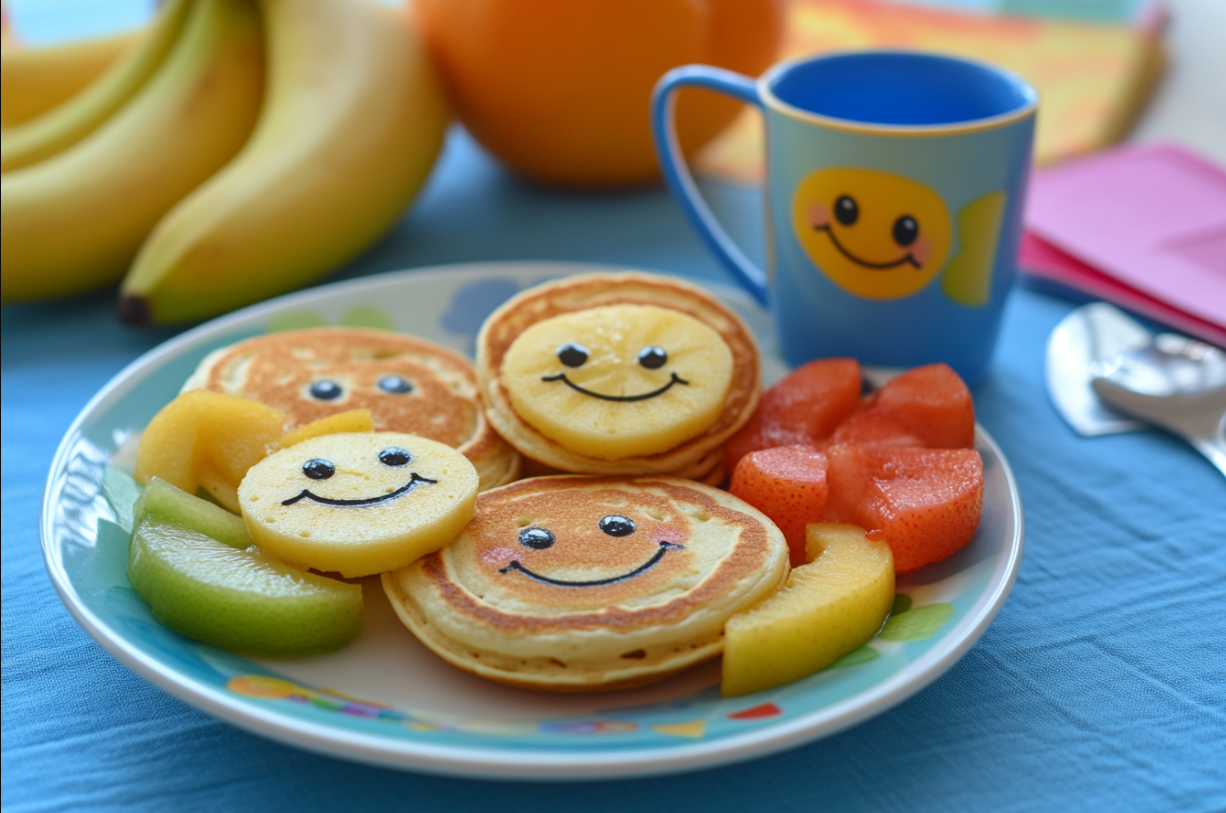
<point>828,607</point>
<point>355,420</point>
<point>208,439</point>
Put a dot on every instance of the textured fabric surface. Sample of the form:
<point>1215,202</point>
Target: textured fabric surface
<point>1101,685</point>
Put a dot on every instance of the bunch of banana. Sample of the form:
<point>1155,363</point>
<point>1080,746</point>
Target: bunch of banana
<point>272,141</point>
<point>34,80</point>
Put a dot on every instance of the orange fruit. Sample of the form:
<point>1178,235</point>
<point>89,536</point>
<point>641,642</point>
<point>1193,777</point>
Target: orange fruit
<point>560,90</point>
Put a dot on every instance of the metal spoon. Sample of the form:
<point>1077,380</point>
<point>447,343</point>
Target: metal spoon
<point>1177,383</point>
<point>1079,346</point>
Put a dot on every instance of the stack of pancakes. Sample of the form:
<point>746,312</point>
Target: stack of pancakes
<point>699,457</point>
<point>576,583</point>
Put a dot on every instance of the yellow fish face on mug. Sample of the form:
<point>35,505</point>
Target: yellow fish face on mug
<point>874,234</point>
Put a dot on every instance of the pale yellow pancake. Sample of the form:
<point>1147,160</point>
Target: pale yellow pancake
<point>358,503</point>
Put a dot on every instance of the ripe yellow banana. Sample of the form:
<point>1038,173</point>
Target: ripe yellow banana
<point>68,124</point>
<point>74,222</point>
<point>353,121</point>
<point>34,80</point>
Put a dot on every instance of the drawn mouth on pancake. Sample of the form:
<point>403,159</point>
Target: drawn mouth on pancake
<point>906,258</point>
<point>674,379</point>
<point>415,481</point>
<point>665,547</point>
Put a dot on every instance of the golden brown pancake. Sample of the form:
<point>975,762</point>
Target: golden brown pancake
<point>410,385</point>
<point>575,583</point>
<point>690,458</point>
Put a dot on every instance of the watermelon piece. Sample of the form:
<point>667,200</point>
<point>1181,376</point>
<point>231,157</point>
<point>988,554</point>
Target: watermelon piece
<point>874,430</point>
<point>805,406</point>
<point>788,484</point>
<point>927,502</point>
<point>932,403</point>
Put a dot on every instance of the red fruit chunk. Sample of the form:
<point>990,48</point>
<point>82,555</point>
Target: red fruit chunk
<point>932,403</point>
<point>807,405</point>
<point>874,430</point>
<point>926,501</point>
<point>788,484</point>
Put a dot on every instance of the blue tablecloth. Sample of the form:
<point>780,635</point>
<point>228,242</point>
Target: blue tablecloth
<point>1101,685</point>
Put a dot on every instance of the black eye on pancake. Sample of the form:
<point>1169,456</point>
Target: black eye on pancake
<point>905,230</point>
<point>395,456</point>
<point>617,525</point>
<point>536,538</point>
<point>653,358</point>
<point>573,355</point>
<point>318,469</point>
<point>326,390</point>
<point>846,210</point>
<point>395,385</point>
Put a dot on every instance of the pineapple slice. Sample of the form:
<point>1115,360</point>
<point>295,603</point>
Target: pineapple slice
<point>619,381</point>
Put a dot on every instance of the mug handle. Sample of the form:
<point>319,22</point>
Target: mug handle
<point>678,176</point>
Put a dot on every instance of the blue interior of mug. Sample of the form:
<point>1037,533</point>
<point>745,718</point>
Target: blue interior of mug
<point>901,89</point>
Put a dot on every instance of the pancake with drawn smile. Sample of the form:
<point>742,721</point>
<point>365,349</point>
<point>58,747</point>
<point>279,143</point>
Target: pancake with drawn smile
<point>409,385</point>
<point>617,374</point>
<point>576,583</point>
<point>358,503</point>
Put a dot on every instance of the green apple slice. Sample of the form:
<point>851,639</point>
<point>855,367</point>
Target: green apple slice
<point>173,503</point>
<point>238,599</point>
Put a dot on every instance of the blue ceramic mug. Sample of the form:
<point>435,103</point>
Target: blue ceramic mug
<point>894,190</point>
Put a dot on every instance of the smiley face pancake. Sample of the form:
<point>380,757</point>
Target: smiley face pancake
<point>358,503</point>
<point>409,385</point>
<point>618,374</point>
<point>874,234</point>
<point>575,583</point>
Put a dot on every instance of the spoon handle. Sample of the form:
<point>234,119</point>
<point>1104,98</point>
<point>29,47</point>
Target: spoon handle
<point>1213,448</point>
<point>1197,419</point>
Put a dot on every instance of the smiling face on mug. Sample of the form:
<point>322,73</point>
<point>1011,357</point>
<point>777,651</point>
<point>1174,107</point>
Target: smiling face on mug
<point>874,234</point>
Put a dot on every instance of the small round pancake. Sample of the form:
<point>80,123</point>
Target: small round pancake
<point>410,385</point>
<point>576,583</point>
<point>498,346</point>
<point>358,503</point>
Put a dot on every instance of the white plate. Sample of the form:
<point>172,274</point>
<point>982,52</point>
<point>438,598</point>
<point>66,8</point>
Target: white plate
<point>387,700</point>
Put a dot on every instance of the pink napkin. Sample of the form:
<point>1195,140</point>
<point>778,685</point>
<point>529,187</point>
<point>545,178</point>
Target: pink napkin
<point>1142,223</point>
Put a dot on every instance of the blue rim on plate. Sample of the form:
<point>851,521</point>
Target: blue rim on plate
<point>385,699</point>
